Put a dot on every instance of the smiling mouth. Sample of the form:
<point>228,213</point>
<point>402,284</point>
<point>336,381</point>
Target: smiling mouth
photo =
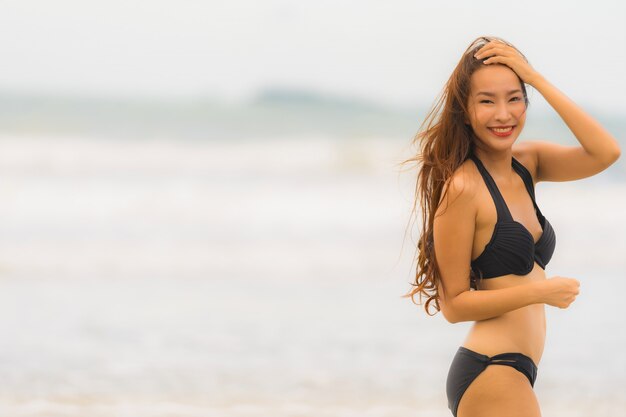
<point>502,131</point>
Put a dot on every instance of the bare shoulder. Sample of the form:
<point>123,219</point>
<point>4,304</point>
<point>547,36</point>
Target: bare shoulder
<point>526,153</point>
<point>549,161</point>
<point>461,187</point>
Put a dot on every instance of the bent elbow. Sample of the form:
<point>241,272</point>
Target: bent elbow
<point>449,315</point>
<point>614,156</point>
<point>618,153</point>
<point>456,314</point>
<point>451,320</point>
<point>447,308</point>
<point>455,318</point>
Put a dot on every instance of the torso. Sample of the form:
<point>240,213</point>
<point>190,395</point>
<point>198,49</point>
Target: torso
<point>522,330</point>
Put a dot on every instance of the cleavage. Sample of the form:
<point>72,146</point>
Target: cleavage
<point>510,215</point>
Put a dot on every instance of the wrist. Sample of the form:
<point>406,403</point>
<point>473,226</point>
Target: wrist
<point>536,80</point>
<point>537,291</point>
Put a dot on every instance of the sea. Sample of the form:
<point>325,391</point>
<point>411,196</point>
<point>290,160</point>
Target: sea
<point>230,260</point>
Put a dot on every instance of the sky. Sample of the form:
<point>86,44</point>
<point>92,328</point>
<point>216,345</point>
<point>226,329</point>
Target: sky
<point>393,52</point>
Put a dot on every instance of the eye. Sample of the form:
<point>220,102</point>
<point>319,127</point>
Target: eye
<point>486,101</point>
<point>516,98</point>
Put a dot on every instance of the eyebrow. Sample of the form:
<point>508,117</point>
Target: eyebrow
<point>488,94</point>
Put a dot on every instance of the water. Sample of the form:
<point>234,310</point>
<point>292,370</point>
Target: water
<point>261,278</point>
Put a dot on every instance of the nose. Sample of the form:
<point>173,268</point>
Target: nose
<point>503,113</point>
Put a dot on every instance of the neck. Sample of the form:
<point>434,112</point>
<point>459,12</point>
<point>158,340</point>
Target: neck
<point>497,163</point>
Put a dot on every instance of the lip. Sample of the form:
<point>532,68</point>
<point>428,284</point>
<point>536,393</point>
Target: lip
<point>504,134</point>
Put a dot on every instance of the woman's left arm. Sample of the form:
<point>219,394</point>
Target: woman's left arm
<point>566,163</point>
<point>558,162</point>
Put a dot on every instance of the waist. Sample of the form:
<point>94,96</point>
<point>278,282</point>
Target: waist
<point>522,331</point>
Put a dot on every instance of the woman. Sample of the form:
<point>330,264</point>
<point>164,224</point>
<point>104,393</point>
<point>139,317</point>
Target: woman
<point>485,243</point>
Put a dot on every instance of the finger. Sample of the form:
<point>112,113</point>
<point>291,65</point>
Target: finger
<point>505,57</point>
<point>483,49</point>
<point>495,50</point>
<point>496,59</point>
<point>487,52</point>
<point>491,44</point>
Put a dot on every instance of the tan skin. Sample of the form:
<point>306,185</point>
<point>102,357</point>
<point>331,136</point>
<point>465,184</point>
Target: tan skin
<point>508,311</point>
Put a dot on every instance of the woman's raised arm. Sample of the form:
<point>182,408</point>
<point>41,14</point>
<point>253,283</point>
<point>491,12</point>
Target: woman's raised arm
<point>598,150</point>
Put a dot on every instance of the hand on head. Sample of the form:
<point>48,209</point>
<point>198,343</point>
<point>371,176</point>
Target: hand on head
<point>498,52</point>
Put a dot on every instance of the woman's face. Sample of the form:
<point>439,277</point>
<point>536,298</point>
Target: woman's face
<point>496,107</point>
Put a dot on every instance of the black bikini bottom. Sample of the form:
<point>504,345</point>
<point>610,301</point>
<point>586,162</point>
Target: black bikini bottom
<point>467,365</point>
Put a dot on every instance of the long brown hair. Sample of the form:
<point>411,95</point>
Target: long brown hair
<point>444,141</point>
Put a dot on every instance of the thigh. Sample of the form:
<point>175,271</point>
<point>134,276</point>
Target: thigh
<point>499,391</point>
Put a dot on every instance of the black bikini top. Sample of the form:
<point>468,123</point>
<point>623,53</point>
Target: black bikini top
<point>512,249</point>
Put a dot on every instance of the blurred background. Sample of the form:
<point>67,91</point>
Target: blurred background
<point>202,212</point>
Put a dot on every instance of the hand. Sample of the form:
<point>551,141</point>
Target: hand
<point>501,53</point>
<point>559,291</point>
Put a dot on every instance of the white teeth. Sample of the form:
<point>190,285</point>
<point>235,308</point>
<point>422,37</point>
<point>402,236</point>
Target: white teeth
<point>501,130</point>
